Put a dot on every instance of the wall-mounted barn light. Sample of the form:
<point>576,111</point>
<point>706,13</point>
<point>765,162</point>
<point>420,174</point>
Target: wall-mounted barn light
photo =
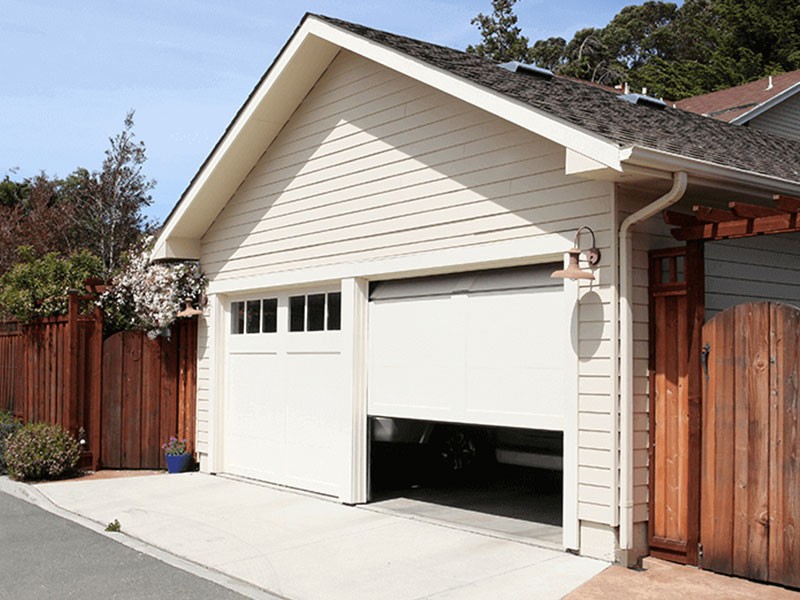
<point>591,256</point>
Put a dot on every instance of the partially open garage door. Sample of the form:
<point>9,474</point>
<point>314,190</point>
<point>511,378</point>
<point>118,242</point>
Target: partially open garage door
<point>484,347</point>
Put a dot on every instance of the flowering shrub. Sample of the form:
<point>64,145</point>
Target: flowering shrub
<point>41,451</point>
<point>174,447</point>
<point>8,426</point>
<point>148,295</point>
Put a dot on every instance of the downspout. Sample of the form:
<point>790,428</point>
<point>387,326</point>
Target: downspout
<point>679,182</point>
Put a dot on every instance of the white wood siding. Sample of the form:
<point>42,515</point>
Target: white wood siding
<point>375,166</point>
<point>783,119</point>
<point>752,270</point>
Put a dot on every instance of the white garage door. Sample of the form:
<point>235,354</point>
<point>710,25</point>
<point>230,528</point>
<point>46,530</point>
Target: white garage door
<point>486,347</point>
<point>285,413</point>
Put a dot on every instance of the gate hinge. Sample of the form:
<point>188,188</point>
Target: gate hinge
<point>700,553</point>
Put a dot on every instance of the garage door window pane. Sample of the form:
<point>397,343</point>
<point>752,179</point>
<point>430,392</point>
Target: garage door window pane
<point>269,323</point>
<point>334,311</point>
<point>297,313</point>
<point>237,317</point>
<point>253,316</point>
<point>316,312</point>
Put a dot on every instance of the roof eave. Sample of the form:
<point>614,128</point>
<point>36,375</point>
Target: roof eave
<point>709,172</point>
<point>766,105</point>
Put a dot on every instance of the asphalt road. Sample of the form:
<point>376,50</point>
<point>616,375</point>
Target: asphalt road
<point>44,556</point>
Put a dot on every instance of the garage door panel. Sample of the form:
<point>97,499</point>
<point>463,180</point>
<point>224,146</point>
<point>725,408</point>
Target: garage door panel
<point>516,329</point>
<point>255,423</point>
<point>431,328</point>
<point>424,386</point>
<point>491,352</point>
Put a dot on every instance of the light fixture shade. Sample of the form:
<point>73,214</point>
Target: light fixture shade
<point>573,270</point>
<point>189,310</point>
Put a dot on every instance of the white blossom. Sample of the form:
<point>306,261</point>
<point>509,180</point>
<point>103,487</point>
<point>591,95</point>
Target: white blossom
<point>148,295</point>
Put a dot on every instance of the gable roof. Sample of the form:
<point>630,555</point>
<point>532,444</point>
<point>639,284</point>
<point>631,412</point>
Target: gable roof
<point>595,123</point>
<point>742,103</point>
<point>603,112</point>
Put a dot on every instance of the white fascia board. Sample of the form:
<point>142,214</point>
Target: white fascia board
<point>708,171</point>
<point>514,111</point>
<point>253,129</point>
<point>765,106</point>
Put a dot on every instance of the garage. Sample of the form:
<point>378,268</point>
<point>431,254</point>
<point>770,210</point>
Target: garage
<point>468,370</point>
<point>280,424</point>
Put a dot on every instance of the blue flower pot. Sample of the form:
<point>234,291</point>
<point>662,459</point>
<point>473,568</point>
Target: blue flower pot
<point>179,463</point>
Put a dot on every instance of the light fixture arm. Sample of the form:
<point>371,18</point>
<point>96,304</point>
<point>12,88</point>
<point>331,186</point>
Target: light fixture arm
<point>592,254</point>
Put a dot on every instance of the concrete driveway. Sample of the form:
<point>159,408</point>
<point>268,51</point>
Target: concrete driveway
<point>304,547</point>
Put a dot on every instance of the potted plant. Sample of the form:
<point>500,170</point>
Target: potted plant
<point>178,459</point>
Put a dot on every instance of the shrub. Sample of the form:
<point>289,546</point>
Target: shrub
<point>41,451</point>
<point>8,425</point>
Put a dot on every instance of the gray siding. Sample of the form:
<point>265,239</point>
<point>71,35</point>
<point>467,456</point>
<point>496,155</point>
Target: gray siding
<point>752,270</point>
<point>783,119</point>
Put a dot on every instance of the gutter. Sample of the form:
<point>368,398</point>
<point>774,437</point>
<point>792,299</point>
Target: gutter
<point>731,178</point>
<point>679,183</point>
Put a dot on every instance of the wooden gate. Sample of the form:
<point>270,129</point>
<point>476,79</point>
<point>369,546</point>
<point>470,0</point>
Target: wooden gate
<point>750,498</point>
<point>148,395</point>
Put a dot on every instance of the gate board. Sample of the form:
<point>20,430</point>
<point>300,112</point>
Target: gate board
<point>750,472</point>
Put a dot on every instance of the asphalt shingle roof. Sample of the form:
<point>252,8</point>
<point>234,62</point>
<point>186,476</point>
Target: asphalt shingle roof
<point>602,112</point>
<point>726,105</point>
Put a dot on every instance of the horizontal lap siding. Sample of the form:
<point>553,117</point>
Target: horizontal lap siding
<point>752,270</point>
<point>373,166</point>
<point>783,119</point>
<point>203,385</point>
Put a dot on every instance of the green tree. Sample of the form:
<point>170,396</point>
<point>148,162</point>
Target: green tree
<point>549,53</point>
<point>107,205</point>
<point>37,286</point>
<point>699,47</point>
<point>502,39</point>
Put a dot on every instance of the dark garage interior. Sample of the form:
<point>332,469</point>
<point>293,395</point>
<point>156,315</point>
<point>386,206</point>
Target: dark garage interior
<point>501,480</point>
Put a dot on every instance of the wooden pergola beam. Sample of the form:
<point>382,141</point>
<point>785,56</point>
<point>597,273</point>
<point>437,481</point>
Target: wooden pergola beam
<point>789,203</point>
<point>753,211</point>
<point>712,215</point>
<point>679,219</point>
<point>784,223</point>
<point>742,220</point>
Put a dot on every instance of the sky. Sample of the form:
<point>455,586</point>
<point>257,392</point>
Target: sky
<point>71,70</point>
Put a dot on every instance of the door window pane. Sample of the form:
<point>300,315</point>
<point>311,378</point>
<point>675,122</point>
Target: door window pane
<point>334,311</point>
<point>253,316</point>
<point>269,323</point>
<point>316,312</point>
<point>237,317</point>
<point>297,313</point>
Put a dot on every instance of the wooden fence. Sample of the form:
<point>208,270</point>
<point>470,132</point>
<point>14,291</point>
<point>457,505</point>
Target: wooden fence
<point>124,396</point>
<point>12,363</point>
